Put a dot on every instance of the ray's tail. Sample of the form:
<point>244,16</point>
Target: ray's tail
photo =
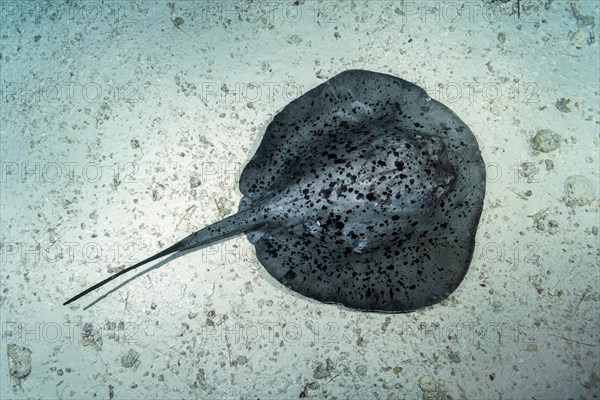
<point>241,222</point>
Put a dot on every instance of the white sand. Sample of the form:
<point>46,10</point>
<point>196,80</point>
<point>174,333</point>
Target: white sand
<point>109,113</point>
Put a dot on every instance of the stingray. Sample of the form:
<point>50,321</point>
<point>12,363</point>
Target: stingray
<point>363,192</point>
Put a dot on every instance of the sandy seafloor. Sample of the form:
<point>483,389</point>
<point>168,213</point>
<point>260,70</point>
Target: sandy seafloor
<point>125,125</point>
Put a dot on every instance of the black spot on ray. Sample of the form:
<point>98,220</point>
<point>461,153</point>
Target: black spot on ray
<point>403,182</point>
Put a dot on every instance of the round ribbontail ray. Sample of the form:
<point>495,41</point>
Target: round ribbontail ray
<point>363,192</point>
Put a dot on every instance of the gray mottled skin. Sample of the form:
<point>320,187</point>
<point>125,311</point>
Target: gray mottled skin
<point>372,191</point>
<point>363,192</point>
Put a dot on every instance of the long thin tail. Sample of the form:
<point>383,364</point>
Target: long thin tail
<point>232,225</point>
